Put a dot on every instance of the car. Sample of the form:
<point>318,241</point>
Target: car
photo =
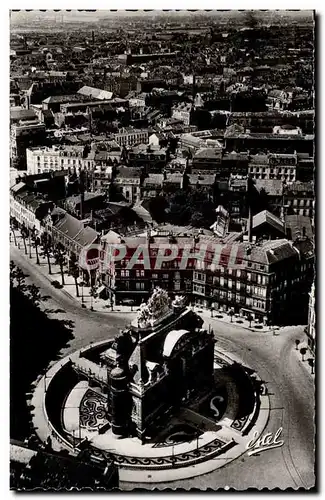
<point>56,284</point>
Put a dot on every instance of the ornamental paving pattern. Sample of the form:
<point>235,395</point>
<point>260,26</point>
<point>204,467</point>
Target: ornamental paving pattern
<point>194,442</point>
<point>92,410</point>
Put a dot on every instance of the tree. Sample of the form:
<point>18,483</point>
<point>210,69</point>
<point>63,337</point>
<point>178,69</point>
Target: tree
<point>46,243</point>
<point>93,294</point>
<point>303,352</point>
<point>75,273</point>
<point>12,227</point>
<point>297,342</point>
<point>60,259</point>
<point>197,219</point>
<point>24,234</point>
<point>34,293</point>
<point>13,270</point>
<point>311,364</point>
<point>20,279</point>
<point>36,241</point>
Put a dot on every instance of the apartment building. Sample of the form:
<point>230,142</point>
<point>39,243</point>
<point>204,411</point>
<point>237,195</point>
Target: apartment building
<point>128,136</point>
<point>47,159</point>
<point>128,182</point>
<point>270,280</point>
<point>28,208</point>
<point>271,285</point>
<point>24,134</point>
<point>273,166</point>
<point>299,198</point>
<point>183,112</point>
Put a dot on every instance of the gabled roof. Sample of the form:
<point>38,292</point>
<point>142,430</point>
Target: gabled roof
<point>69,225</point>
<point>208,152</point>
<point>61,99</point>
<point>273,187</point>
<point>18,113</point>
<point>266,217</point>
<point>272,251</point>
<point>95,93</point>
<point>18,187</point>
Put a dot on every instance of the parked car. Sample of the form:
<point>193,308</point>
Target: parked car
<point>56,284</point>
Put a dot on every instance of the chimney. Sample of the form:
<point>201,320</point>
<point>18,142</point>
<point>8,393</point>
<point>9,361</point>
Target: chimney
<point>250,224</point>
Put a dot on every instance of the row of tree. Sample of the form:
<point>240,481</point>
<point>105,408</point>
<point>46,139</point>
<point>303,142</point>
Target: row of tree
<point>44,248</point>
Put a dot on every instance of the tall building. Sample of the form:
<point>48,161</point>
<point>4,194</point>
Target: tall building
<point>24,135</point>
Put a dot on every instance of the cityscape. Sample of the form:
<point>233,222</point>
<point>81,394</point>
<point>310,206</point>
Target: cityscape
<point>162,250</point>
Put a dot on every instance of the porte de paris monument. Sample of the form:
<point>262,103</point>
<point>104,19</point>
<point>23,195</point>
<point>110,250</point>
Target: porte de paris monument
<point>160,399</point>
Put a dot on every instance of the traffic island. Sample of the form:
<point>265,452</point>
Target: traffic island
<point>91,400</point>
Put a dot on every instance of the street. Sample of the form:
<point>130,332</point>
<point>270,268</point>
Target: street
<point>290,386</point>
<point>89,326</point>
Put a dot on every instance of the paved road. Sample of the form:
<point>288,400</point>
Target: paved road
<point>290,386</point>
<point>89,326</point>
<point>291,391</point>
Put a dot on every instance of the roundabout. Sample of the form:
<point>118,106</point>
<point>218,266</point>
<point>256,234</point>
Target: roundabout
<point>74,405</point>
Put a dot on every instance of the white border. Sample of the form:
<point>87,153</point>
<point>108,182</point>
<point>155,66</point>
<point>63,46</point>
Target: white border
<point>4,198</point>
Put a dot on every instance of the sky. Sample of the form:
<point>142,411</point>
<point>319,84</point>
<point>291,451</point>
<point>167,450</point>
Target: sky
<point>22,17</point>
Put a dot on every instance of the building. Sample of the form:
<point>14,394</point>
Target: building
<point>273,166</point>
<point>299,198</point>
<point>23,135</point>
<point>130,136</point>
<point>92,93</point>
<point>69,233</point>
<point>129,59</point>
<point>208,161</point>
<point>45,469</point>
<point>269,286</point>
<point>152,158</point>
<point>54,102</point>
<point>152,186</point>
<point>182,112</point>
<point>127,181</point>
<point>47,159</point>
<point>266,281</point>
<point>274,191</point>
<point>137,283</point>
<point>27,207</point>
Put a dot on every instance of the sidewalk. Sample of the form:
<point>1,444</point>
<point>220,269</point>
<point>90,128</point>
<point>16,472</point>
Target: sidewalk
<point>235,321</point>
<point>308,355</point>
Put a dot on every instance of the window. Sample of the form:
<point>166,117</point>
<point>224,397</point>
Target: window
<point>125,273</point>
<point>139,286</point>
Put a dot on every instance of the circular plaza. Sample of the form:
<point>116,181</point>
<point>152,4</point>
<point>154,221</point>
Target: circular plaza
<point>161,400</point>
